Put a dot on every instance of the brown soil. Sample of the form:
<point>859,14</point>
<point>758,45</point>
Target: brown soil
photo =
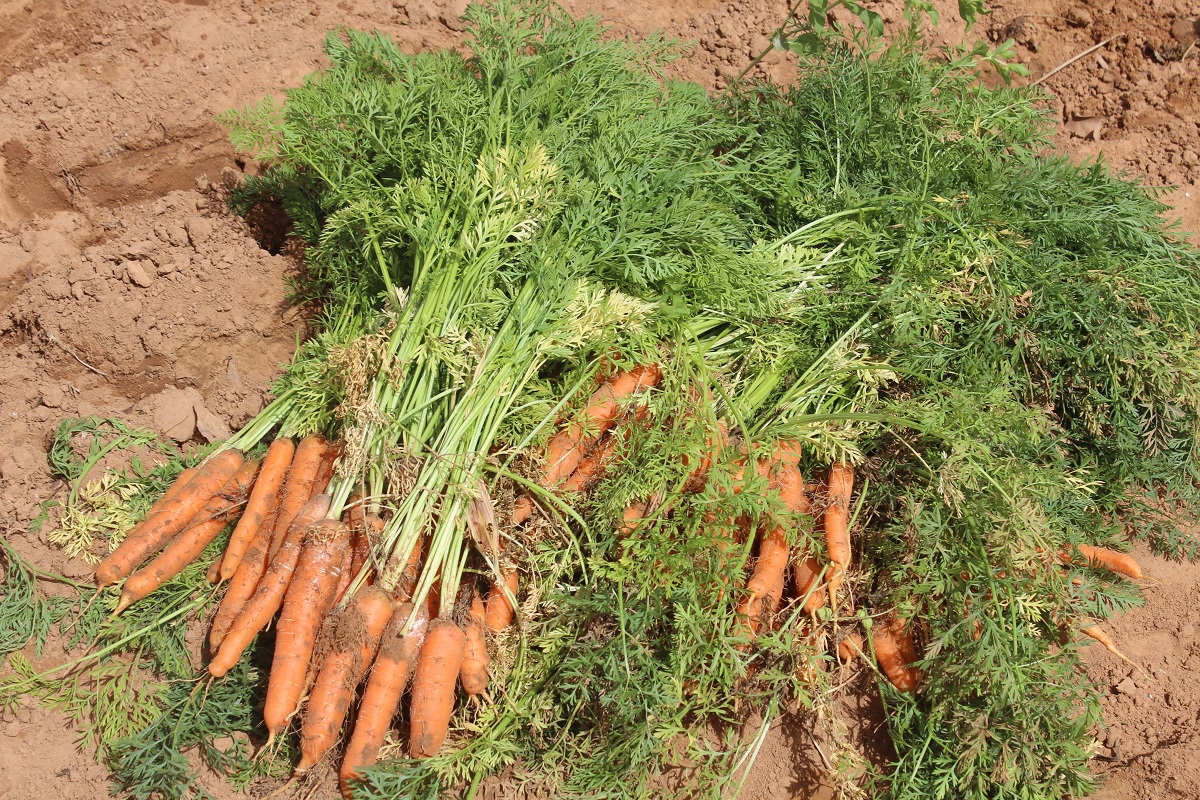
<point>128,290</point>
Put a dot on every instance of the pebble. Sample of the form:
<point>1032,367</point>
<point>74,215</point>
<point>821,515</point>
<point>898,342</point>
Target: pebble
<point>138,274</point>
<point>1079,17</point>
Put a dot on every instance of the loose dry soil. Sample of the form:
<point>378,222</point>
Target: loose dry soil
<point>128,290</point>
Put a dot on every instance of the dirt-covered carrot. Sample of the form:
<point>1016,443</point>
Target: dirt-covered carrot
<point>298,486</point>
<point>407,583</point>
<point>1110,560</point>
<point>432,701</point>
<point>765,587</point>
<point>309,596</point>
<point>328,461</point>
<point>172,516</point>
<point>566,448</point>
<point>473,676</point>
<point>398,652</point>
<point>500,611</point>
<point>836,519</point>
<point>887,638</point>
<point>849,648</point>
<point>213,575</point>
<point>344,574</point>
<point>522,508</point>
<point>591,467</point>
<point>244,582</point>
<point>267,598</point>
<point>188,545</point>
<point>359,627</point>
<point>264,497</point>
<point>363,542</point>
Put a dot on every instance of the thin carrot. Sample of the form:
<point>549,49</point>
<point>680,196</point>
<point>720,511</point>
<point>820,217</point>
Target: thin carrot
<point>1111,560</point>
<point>473,676</point>
<point>888,641</point>
<point>245,580</point>
<point>332,453</point>
<point>500,611</point>
<point>298,485</point>
<point>188,545</point>
<point>522,508</point>
<point>1096,632</point>
<point>171,517</point>
<point>359,627</point>
<point>398,653</point>
<point>263,499</point>
<point>590,468</point>
<point>566,448</point>
<point>433,687</point>
<point>267,598</point>
<point>308,598</point>
<point>837,534</point>
<point>765,587</point>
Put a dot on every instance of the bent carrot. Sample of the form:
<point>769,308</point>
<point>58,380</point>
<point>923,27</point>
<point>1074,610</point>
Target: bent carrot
<point>433,687</point>
<point>500,611</point>
<point>298,485</point>
<point>891,645</point>
<point>1111,560</point>
<point>398,653</point>
<point>308,598</point>
<point>172,516</point>
<point>473,675</point>
<point>837,535</point>
<point>359,627</point>
<point>267,598</point>
<point>1096,632</point>
<point>263,499</point>
<point>188,545</point>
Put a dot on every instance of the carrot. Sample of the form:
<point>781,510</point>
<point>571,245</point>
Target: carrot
<point>397,655</point>
<point>267,598</point>
<point>332,453</point>
<point>407,583</point>
<point>245,580</point>
<point>805,574</point>
<point>433,687</point>
<point>172,515</point>
<point>590,468</point>
<point>187,546</point>
<point>522,508</point>
<point>344,574</point>
<point>474,673</point>
<point>263,499</point>
<point>890,646</point>
<point>358,630</point>
<point>837,535</point>
<point>1096,632</point>
<point>633,516</point>
<point>308,598</point>
<point>849,647</point>
<point>213,575</point>
<point>298,485</point>
<point>500,611</point>
<point>1111,560</point>
<point>373,526</point>
<point>566,448</point>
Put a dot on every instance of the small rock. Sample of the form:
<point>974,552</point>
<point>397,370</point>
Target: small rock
<point>1126,687</point>
<point>1079,17</point>
<point>211,427</point>
<point>138,274</point>
<point>12,729</point>
<point>199,230</point>
<point>137,249</point>
<point>174,412</point>
<point>52,397</point>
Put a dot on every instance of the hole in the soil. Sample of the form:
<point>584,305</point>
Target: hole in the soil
<point>269,225</point>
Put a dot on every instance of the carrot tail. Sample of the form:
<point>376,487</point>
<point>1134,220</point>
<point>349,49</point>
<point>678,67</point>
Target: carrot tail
<point>474,672</point>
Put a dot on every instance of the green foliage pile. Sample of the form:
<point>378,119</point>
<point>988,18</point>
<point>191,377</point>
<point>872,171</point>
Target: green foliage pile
<point>878,262</point>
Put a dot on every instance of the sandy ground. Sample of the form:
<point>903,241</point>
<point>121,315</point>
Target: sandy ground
<point>128,290</point>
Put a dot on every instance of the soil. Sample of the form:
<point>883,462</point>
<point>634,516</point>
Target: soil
<point>128,290</point>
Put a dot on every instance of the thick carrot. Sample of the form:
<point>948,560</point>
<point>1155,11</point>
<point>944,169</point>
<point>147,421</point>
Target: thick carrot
<point>298,485</point>
<point>263,500</point>
<point>890,648</point>
<point>500,611</point>
<point>566,448</point>
<point>187,546</point>
<point>267,598</point>
<point>171,517</point>
<point>633,516</point>
<point>474,672</point>
<point>837,534</point>
<point>805,573</point>
<point>308,598</point>
<point>433,687</point>
<point>397,656</point>
<point>245,580</point>
<point>358,630</point>
<point>1111,560</point>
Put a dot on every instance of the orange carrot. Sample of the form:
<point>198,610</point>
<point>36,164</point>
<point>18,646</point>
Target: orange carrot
<point>1111,560</point>
<point>372,528</point>
<point>187,546</point>
<point>1096,632</point>
<point>566,448</point>
<point>633,516</point>
<point>590,468</point>
<point>474,672</point>
<point>397,656</point>
<point>891,644</point>
<point>332,453</point>
<point>433,687</point>
<point>213,575</point>
<point>263,499</point>
<point>172,516</point>
<point>500,609</point>
<point>298,485</point>
<point>805,573</point>
<point>244,582</point>
<point>308,598</point>
<point>407,583</point>
<point>837,535</point>
<point>267,598</point>
<point>358,630</point>
<point>849,647</point>
<point>344,574</point>
<point>522,508</point>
